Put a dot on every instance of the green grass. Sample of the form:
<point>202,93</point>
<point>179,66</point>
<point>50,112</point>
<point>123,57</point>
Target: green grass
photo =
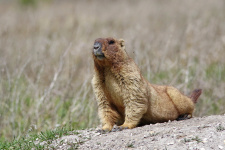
<point>28,2</point>
<point>196,138</point>
<point>130,145</point>
<point>216,71</point>
<point>40,140</point>
<point>46,65</point>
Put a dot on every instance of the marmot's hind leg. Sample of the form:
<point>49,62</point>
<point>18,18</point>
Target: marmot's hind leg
<point>184,117</point>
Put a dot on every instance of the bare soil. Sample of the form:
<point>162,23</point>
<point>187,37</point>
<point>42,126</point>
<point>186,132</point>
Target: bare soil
<point>195,134</point>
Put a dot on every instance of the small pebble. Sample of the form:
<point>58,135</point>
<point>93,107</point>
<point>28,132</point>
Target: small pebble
<point>220,147</point>
<point>170,143</point>
<point>204,140</point>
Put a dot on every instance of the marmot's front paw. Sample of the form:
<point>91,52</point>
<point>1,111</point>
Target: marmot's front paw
<point>128,126</point>
<point>107,127</point>
<point>122,127</point>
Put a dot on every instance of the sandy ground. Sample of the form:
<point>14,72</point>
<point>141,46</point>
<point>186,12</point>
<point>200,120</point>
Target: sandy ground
<point>195,134</point>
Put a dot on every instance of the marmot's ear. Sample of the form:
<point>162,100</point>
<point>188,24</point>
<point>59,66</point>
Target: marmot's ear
<point>122,42</point>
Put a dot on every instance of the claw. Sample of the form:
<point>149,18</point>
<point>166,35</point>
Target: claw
<point>118,128</point>
<point>102,131</point>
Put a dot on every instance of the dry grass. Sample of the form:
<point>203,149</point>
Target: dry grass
<point>46,65</point>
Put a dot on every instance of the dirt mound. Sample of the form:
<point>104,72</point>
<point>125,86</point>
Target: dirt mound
<point>196,133</point>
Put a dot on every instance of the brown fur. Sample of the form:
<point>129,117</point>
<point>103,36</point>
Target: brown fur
<point>125,98</point>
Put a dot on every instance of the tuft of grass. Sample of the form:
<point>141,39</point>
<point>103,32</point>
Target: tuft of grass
<point>196,138</point>
<point>40,140</point>
<point>187,140</point>
<point>220,128</point>
<point>153,133</point>
<point>130,145</point>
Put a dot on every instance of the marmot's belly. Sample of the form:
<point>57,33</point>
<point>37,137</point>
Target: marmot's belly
<point>160,114</point>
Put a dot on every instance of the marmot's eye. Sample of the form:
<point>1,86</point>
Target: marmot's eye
<point>111,42</point>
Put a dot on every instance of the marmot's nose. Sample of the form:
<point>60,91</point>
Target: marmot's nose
<point>97,46</point>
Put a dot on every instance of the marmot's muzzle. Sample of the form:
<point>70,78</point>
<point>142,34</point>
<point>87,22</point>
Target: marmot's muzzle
<point>98,50</point>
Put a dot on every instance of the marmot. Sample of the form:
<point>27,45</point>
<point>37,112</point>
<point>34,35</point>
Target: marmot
<point>125,98</point>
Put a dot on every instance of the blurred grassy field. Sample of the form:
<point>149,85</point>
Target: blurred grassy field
<point>46,64</point>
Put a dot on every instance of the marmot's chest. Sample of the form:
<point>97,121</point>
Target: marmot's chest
<point>115,89</point>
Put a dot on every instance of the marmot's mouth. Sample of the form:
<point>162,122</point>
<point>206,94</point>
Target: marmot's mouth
<point>100,57</point>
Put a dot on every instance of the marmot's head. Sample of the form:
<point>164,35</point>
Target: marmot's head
<point>109,51</point>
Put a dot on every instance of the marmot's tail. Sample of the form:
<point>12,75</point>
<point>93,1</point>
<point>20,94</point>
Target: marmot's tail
<point>195,94</point>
